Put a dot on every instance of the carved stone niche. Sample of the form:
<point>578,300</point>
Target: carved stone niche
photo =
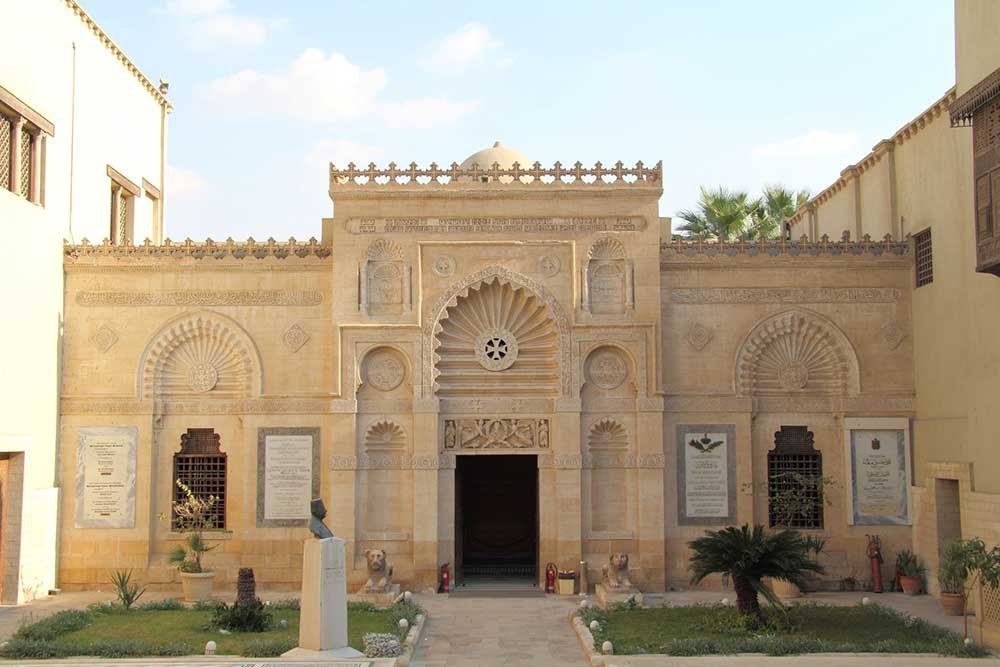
<point>385,280</point>
<point>608,283</point>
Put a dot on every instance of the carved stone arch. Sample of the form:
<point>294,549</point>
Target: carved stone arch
<point>200,353</point>
<point>608,286</point>
<point>384,368</point>
<point>797,352</point>
<point>500,275</point>
<point>607,434</point>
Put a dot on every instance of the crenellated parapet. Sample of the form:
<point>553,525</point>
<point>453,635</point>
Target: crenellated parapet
<point>413,177</point>
<point>679,247</point>
<point>205,250</point>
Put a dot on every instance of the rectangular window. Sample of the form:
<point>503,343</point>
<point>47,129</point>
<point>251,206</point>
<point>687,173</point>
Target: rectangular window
<point>201,466</point>
<point>22,134</point>
<point>123,197</point>
<point>923,257</point>
<point>794,480</point>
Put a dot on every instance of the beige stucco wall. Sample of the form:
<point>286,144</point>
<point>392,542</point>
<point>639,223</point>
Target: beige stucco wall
<point>117,122</point>
<point>977,53</point>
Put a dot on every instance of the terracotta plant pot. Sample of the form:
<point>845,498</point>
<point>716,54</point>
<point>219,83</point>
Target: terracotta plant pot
<point>197,585</point>
<point>911,585</point>
<point>953,604</point>
<point>785,590</point>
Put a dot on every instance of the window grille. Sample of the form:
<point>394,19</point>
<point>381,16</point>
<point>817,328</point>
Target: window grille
<point>991,604</point>
<point>201,465</point>
<point>124,234</point>
<point>25,165</point>
<point>5,126</point>
<point>794,480</point>
<point>924,258</point>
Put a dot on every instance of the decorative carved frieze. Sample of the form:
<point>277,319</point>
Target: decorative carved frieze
<point>206,250</point>
<point>202,298</point>
<point>295,337</point>
<point>393,462</point>
<point>204,406</point>
<point>560,461</point>
<point>496,433</point>
<point>496,225</point>
<point>713,295</point>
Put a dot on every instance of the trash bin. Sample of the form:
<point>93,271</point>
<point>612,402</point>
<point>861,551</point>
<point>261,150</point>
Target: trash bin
<point>567,582</point>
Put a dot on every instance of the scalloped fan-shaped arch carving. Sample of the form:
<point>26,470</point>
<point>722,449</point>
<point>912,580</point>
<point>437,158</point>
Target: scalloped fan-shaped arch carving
<point>608,434</point>
<point>200,354</point>
<point>385,434</point>
<point>384,250</point>
<point>797,352</point>
<point>607,247</point>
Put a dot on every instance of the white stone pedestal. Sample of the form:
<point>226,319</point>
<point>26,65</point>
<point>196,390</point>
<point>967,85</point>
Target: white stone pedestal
<point>608,596</point>
<point>323,607</point>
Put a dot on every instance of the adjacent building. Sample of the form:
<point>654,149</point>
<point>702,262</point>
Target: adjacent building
<point>82,142</point>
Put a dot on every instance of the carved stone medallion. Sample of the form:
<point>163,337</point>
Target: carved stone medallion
<point>383,370</point>
<point>444,265</point>
<point>698,336</point>
<point>496,350</point>
<point>104,338</point>
<point>202,377</point>
<point>548,265</point>
<point>893,334</point>
<point>793,375</point>
<point>607,369</point>
<point>295,337</point>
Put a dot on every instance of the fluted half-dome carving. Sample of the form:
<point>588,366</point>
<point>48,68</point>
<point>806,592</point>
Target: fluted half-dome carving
<point>385,434</point>
<point>608,434</point>
<point>384,250</point>
<point>796,352</point>
<point>607,247</point>
<point>497,339</point>
<point>201,354</point>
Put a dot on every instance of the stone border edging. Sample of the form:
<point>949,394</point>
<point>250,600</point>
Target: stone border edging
<point>586,639</point>
<point>411,641</point>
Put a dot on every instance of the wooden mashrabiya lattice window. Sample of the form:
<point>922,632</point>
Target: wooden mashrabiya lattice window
<point>794,480</point>
<point>201,465</point>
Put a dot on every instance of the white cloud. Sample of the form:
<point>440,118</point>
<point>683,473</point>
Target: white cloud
<point>816,143</point>
<point>314,87</point>
<point>469,46</point>
<point>424,113</point>
<point>196,7</point>
<point>184,183</point>
<point>231,30</point>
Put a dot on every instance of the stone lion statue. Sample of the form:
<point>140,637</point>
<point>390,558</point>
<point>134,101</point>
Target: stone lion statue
<point>379,572</point>
<point>616,572</point>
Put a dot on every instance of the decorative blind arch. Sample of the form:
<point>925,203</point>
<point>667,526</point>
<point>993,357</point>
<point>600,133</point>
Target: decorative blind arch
<point>797,351</point>
<point>200,354</point>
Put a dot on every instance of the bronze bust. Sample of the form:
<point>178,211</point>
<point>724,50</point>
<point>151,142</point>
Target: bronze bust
<point>316,524</point>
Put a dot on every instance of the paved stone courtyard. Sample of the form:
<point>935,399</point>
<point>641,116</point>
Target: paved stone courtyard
<point>506,631</point>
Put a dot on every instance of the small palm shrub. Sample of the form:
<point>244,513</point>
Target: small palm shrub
<point>127,592</point>
<point>243,616</point>
<point>748,554</point>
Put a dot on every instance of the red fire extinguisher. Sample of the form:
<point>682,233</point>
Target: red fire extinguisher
<point>551,571</point>
<point>875,557</point>
<point>445,578</point>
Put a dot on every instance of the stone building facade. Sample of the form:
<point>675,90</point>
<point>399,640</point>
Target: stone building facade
<point>491,365</point>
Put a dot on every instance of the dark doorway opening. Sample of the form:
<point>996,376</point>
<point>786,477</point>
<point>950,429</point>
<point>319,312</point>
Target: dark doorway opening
<point>496,518</point>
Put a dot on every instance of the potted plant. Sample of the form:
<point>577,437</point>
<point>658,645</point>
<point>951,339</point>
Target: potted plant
<point>192,515</point>
<point>911,572</point>
<point>971,563</point>
<point>951,578</point>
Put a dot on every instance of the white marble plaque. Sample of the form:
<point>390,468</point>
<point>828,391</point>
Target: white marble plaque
<point>879,479</point>
<point>105,477</point>
<point>288,475</point>
<point>706,462</point>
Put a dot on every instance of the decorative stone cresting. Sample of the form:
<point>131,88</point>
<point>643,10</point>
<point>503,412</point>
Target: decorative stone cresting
<point>202,353</point>
<point>207,249</point>
<point>681,247</point>
<point>518,175</point>
<point>797,351</point>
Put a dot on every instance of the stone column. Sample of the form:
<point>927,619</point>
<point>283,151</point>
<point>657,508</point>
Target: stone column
<point>116,202</point>
<point>565,492</point>
<point>35,193</point>
<point>650,529</point>
<point>430,522</point>
<point>15,155</point>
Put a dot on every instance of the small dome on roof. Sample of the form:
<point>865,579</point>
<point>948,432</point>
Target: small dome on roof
<point>505,157</point>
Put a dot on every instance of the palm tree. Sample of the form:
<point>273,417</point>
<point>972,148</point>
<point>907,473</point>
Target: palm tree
<point>776,206</point>
<point>748,555</point>
<point>721,214</point>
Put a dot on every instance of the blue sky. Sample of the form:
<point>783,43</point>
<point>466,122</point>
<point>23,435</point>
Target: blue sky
<point>725,92</point>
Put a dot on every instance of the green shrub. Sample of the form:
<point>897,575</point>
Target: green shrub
<point>243,616</point>
<point>20,648</point>
<point>53,626</point>
<point>169,604</point>
<point>127,592</point>
<point>290,604</point>
<point>116,647</point>
<point>175,648</point>
<point>268,647</point>
<point>206,605</point>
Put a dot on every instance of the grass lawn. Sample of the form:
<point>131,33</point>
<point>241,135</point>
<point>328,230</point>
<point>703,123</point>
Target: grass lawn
<point>803,628</point>
<point>112,632</point>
